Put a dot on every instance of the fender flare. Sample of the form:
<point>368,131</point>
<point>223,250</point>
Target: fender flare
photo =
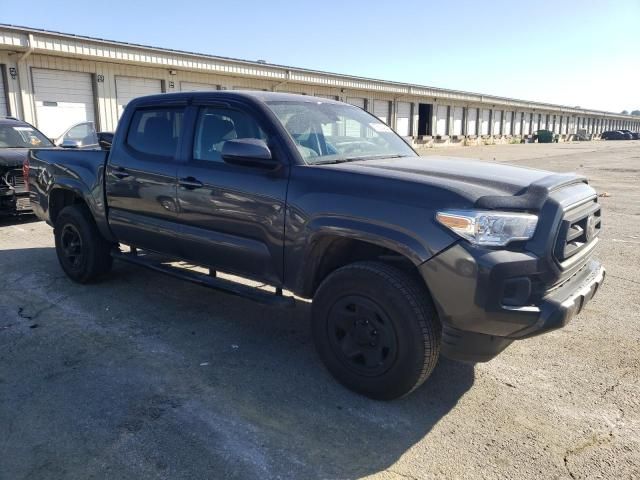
<point>319,229</point>
<point>80,189</point>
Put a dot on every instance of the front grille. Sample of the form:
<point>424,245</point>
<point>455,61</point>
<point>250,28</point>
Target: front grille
<point>15,180</point>
<point>579,229</point>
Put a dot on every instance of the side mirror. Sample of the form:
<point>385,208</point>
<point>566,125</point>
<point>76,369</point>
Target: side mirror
<point>105,140</point>
<point>249,152</point>
<point>68,143</point>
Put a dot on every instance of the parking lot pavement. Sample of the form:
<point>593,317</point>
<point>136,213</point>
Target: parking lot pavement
<point>143,376</point>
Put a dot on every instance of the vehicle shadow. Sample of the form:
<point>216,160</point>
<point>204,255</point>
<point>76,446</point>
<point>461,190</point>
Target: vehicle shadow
<point>22,219</point>
<point>197,382</point>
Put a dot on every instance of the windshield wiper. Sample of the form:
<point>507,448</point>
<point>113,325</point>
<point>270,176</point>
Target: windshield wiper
<point>373,157</point>
<point>355,159</point>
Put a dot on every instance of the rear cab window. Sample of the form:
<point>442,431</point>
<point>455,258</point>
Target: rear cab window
<point>156,131</point>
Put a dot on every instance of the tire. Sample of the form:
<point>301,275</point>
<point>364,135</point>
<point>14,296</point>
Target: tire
<point>83,253</point>
<point>387,307</point>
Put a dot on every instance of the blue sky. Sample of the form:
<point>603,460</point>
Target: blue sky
<point>571,52</point>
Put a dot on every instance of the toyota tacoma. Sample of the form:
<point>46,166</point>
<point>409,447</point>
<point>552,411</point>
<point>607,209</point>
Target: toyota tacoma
<point>404,257</point>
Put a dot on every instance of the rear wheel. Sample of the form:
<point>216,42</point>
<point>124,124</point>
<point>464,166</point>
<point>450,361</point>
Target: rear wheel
<point>376,329</point>
<point>82,251</point>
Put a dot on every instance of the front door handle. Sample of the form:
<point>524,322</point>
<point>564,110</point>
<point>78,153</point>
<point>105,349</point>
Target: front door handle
<point>190,183</point>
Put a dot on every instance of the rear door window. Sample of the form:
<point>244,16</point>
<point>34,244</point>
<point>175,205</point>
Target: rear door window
<point>156,131</point>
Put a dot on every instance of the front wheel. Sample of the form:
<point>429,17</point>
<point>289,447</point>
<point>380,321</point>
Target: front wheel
<point>83,253</point>
<point>375,329</point>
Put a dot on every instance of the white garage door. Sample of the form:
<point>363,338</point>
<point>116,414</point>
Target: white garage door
<point>508,116</point>
<point>403,118</point>
<point>128,88</point>
<point>535,122</point>
<point>472,121</point>
<point>358,102</point>
<point>352,128</point>
<point>484,122</point>
<point>381,110</point>
<point>526,124</point>
<point>62,99</point>
<point>197,87</point>
<point>3,96</point>
<point>517,124</point>
<point>442,112</point>
<point>497,122</point>
<point>457,121</point>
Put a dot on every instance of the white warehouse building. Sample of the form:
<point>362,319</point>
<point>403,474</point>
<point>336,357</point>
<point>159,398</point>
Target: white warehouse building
<point>54,80</point>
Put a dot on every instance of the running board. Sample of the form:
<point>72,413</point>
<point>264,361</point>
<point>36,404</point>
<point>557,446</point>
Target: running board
<point>216,283</point>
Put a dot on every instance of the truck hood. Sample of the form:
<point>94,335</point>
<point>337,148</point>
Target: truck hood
<point>486,184</point>
<point>13,157</point>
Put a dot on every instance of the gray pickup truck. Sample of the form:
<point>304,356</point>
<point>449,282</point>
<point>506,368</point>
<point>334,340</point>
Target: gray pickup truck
<point>404,257</point>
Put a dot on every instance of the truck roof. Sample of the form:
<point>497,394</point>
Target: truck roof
<point>258,95</point>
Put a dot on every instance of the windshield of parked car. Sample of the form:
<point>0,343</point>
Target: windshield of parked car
<point>333,132</point>
<point>22,136</point>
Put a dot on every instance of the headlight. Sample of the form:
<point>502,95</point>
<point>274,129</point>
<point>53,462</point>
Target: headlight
<point>489,228</point>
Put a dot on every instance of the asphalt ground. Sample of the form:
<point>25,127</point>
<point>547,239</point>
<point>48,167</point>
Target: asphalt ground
<point>144,376</point>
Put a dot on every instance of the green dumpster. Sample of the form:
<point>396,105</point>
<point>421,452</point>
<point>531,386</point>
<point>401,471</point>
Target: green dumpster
<point>544,136</point>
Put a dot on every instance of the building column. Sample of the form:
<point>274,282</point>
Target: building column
<point>12,90</point>
<point>465,114</point>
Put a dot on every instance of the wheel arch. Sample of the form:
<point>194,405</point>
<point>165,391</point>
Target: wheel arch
<point>73,192</point>
<point>330,248</point>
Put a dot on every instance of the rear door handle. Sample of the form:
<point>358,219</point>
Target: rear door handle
<point>190,183</point>
<point>120,172</point>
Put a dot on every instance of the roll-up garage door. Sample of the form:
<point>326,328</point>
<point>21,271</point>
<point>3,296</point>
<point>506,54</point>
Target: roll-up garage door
<point>358,102</point>
<point>128,88</point>
<point>517,124</point>
<point>457,121</point>
<point>508,117</point>
<point>497,122</point>
<point>484,122</point>
<point>4,111</point>
<point>526,124</point>
<point>535,122</point>
<point>472,121</point>
<point>197,87</point>
<point>442,114</point>
<point>403,118</point>
<point>352,128</point>
<point>381,110</point>
<point>62,99</point>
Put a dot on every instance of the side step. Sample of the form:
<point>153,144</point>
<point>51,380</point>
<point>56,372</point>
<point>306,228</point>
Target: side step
<point>227,286</point>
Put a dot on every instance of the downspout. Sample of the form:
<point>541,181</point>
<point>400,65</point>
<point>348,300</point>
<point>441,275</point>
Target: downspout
<point>29,51</point>
<point>28,112</point>
<point>286,80</point>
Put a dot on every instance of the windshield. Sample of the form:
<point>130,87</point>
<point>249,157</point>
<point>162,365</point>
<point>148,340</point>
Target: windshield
<point>22,136</point>
<point>333,132</point>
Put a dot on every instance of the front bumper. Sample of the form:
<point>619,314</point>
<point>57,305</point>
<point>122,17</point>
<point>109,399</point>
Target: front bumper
<point>487,299</point>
